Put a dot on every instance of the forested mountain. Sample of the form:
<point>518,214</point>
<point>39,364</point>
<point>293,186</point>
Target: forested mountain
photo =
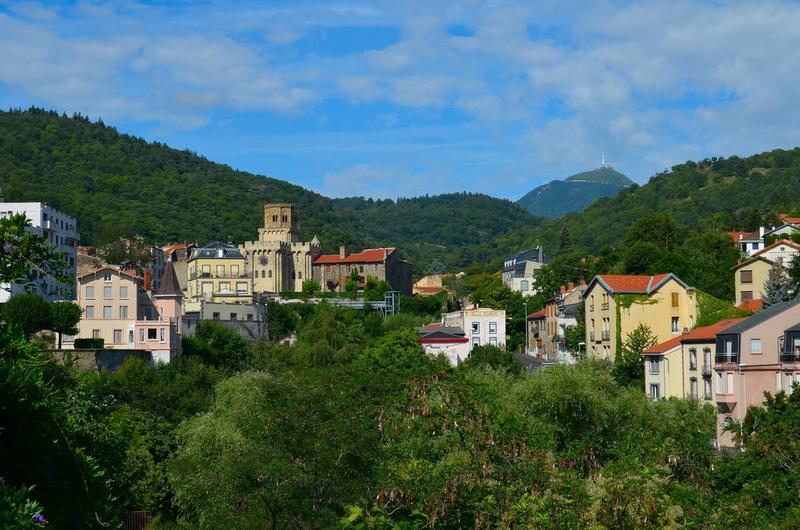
<point>116,184</point>
<point>714,194</point>
<point>574,193</point>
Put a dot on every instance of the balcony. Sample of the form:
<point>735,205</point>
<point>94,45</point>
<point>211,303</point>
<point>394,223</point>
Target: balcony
<point>706,370</point>
<point>606,335</point>
<point>604,307</point>
<point>790,357</point>
<point>726,358</point>
<point>224,275</point>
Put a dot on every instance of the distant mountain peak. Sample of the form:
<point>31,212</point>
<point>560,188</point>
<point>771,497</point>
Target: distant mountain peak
<point>559,197</point>
<point>605,174</point>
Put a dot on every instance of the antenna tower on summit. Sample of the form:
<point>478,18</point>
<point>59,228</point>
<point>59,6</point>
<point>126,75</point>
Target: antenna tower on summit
<point>603,163</point>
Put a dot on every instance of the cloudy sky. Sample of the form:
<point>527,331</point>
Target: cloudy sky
<point>404,98</point>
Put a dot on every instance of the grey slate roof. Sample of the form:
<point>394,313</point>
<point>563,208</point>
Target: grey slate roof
<point>444,332</point>
<point>212,250</point>
<point>169,282</point>
<point>518,261</point>
<point>762,316</point>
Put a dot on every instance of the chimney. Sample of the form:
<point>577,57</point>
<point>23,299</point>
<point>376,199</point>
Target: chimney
<point>342,253</point>
<point>761,232</point>
<point>541,254</point>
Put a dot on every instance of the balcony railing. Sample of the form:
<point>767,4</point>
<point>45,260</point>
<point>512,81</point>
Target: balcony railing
<point>226,275</point>
<point>726,358</point>
<point>790,357</point>
<point>706,370</point>
<point>606,335</point>
<point>604,306</point>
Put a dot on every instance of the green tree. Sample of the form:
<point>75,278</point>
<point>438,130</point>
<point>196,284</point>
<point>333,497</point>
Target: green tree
<point>26,258</point>
<point>217,345</point>
<point>28,311</point>
<point>310,287</point>
<point>777,288</point>
<point>65,317</point>
<point>492,356</point>
<point>353,283</point>
<point>628,363</point>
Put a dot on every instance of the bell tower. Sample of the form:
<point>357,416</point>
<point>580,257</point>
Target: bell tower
<point>280,223</point>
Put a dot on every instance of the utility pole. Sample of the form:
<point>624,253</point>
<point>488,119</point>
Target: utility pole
<point>527,346</point>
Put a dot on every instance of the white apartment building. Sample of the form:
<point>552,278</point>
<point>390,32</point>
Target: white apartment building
<point>481,326</point>
<point>61,231</point>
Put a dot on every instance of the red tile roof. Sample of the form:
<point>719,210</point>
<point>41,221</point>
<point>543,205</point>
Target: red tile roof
<point>536,315</point>
<point>775,244</point>
<point>751,305</point>
<point>370,255</point>
<point>701,334</point>
<point>625,283</point>
<point>111,268</point>
<point>428,290</point>
<point>789,220</point>
<point>747,236</point>
<point>176,246</point>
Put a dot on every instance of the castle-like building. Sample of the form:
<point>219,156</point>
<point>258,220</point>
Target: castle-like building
<point>279,261</point>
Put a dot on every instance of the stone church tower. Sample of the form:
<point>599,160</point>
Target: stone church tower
<point>279,261</point>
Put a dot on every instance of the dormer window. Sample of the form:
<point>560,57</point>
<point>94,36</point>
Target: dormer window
<point>107,276</point>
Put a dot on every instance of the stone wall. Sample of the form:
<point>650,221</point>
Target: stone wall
<point>104,360</point>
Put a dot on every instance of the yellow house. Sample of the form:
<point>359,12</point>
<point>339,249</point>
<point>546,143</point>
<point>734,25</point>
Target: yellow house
<point>217,273</point>
<point>751,275</point>
<point>682,367</point>
<point>616,304</point>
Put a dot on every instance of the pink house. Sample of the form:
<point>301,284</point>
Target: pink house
<point>754,357</point>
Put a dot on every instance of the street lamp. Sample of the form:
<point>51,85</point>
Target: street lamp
<point>527,346</point>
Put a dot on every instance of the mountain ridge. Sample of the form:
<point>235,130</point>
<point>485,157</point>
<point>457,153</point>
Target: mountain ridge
<point>559,197</point>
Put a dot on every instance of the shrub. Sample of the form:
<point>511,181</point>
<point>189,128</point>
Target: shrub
<point>89,344</point>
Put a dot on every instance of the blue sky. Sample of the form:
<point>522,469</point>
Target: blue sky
<point>391,99</point>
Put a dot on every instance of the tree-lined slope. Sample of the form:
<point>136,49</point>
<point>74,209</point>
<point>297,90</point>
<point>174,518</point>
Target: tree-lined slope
<point>116,184</point>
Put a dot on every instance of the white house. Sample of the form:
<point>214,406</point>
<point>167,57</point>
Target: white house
<point>62,233</point>
<point>520,270</point>
<point>482,326</point>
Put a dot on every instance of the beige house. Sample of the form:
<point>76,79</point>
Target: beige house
<point>751,275</point>
<point>217,273</point>
<point>118,310</point>
<point>682,367</point>
<point>615,305</point>
<point>279,261</point>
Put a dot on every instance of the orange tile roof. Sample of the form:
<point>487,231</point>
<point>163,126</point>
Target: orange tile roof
<point>775,244</point>
<point>789,220</point>
<point>747,236</point>
<point>536,315</point>
<point>751,305</point>
<point>626,283</point>
<point>701,334</point>
<point>370,255</point>
<point>176,246</point>
<point>111,268</point>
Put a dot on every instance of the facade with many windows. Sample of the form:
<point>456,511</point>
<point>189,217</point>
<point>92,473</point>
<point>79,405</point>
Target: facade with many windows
<point>61,232</point>
<point>683,366</point>
<point>217,273</point>
<point>482,326</point>
<point>117,309</point>
<point>615,305</point>
<point>760,354</point>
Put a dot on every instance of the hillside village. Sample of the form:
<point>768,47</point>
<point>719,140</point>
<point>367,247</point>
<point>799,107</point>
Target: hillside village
<point>154,297</point>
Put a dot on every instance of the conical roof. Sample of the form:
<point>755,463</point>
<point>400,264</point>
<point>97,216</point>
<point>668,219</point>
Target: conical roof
<point>169,282</point>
